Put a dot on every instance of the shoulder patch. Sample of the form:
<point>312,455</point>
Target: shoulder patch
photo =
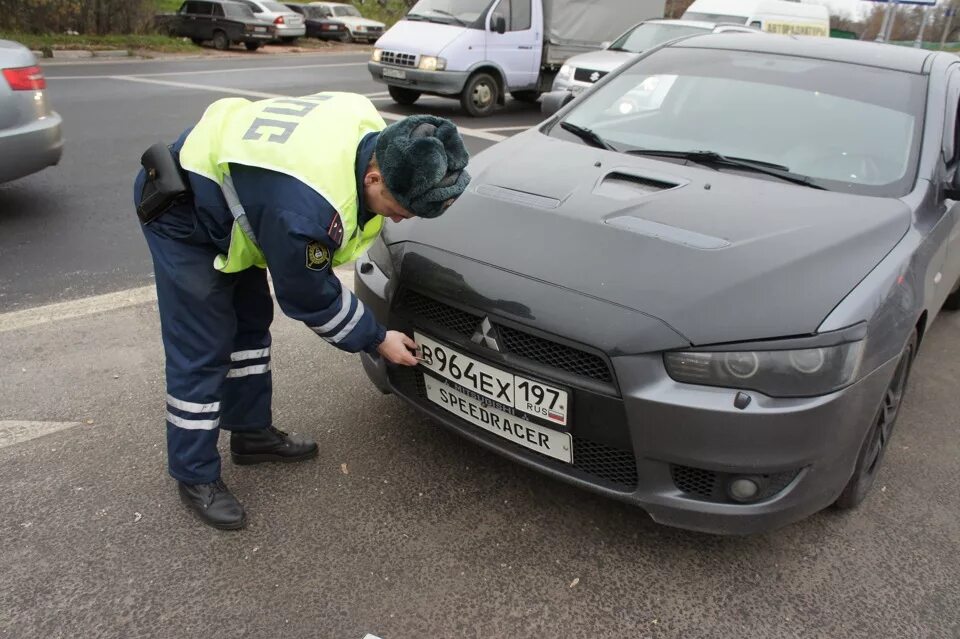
<point>335,230</point>
<point>318,256</point>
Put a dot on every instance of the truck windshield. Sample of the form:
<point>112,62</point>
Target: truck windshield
<point>847,127</point>
<point>651,34</point>
<point>714,17</point>
<point>459,11</point>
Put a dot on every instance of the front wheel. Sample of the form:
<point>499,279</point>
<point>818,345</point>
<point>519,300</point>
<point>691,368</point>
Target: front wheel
<point>878,438</point>
<point>221,41</point>
<point>480,95</point>
<point>403,96</point>
<point>346,37</point>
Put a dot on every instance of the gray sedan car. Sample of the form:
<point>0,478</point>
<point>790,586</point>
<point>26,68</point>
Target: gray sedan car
<point>30,138</point>
<point>699,287</point>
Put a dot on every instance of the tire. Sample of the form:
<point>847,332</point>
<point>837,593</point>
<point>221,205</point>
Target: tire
<point>480,95</point>
<point>197,41</point>
<point>346,38</point>
<point>877,441</point>
<point>220,40</point>
<point>530,97</point>
<point>403,96</point>
<point>252,46</point>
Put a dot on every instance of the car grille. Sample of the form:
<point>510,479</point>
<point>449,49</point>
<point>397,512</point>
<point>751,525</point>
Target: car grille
<point>593,461</point>
<point>516,342</point>
<point>707,485</point>
<point>396,59</point>
<point>588,75</point>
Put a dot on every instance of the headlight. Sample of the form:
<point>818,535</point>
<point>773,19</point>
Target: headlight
<point>796,373</point>
<point>566,71</point>
<point>431,63</point>
<point>377,54</point>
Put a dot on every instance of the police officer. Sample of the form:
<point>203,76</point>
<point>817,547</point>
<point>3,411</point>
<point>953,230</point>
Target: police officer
<point>299,185</point>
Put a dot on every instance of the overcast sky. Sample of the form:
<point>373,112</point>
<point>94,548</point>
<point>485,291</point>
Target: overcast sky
<point>854,7</point>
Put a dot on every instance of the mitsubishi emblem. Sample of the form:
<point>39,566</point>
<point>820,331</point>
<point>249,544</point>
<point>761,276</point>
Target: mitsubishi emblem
<point>486,335</point>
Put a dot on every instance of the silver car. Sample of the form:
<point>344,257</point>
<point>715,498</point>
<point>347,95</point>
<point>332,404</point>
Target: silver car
<point>581,71</point>
<point>30,137</point>
<point>289,24</point>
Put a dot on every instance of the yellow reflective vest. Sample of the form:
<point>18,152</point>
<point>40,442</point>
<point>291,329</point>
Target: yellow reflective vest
<point>313,139</point>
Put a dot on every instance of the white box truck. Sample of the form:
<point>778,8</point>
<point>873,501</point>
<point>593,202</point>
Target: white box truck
<point>480,50</point>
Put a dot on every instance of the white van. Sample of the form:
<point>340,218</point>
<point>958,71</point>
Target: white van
<point>772,16</point>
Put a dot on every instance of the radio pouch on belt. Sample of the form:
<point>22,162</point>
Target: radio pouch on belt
<point>165,184</point>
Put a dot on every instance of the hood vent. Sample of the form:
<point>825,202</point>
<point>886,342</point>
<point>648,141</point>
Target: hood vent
<point>624,186</point>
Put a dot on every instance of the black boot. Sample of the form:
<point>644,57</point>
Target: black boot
<point>270,445</point>
<point>214,504</point>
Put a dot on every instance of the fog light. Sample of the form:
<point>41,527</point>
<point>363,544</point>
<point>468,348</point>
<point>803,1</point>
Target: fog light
<point>743,489</point>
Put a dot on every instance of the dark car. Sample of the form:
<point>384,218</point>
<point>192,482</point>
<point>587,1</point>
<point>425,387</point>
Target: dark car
<point>221,21</point>
<point>699,287</point>
<point>319,26</point>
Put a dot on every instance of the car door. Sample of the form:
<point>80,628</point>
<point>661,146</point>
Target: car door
<point>202,20</point>
<point>517,51</point>
<point>949,275</point>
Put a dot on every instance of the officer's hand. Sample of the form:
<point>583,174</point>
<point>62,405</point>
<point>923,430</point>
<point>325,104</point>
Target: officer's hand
<point>398,349</point>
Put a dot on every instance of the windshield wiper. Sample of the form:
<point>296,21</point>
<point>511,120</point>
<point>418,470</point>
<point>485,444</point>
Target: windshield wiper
<point>415,16</point>
<point>587,135</point>
<point>714,158</point>
<point>450,15</point>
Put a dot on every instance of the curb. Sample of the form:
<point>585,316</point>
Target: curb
<point>78,54</point>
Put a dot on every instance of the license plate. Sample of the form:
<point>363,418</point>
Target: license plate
<point>529,435</point>
<point>395,73</point>
<point>259,29</point>
<point>526,395</point>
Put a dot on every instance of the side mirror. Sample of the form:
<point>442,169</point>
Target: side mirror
<point>553,101</point>
<point>499,24</point>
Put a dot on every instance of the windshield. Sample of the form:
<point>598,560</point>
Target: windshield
<point>651,34</point>
<point>713,17</point>
<point>850,128</point>
<point>238,11</point>
<point>463,11</point>
<point>314,13</point>
<point>346,11</point>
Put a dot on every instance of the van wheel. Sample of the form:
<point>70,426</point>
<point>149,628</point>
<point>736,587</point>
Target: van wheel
<point>403,96</point>
<point>220,40</point>
<point>251,46</point>
<point>480,95</point>
<point>878,438</point>
<point>526,96</point>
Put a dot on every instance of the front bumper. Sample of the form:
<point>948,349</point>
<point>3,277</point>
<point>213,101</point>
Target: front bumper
<point>30,148</point>
<point>441,82</point>
<point>671,448</point>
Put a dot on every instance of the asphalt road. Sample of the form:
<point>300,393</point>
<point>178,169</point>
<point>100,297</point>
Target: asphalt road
<point>70,231</point>
<point>399,528</point>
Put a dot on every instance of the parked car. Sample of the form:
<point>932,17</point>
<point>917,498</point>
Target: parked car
<point>581,71</point>
<point>479,51</point>
<point>786,17</point>
<point>289,24</point>
<point>359,28</point>
<point>221,21</point>
<point>317,26</point>
<point>30,130</point>
<point>708,309</point>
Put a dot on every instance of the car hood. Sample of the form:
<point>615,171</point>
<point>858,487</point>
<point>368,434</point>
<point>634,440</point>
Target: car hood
<point>425,38</point>
<point>354,21</point>
<point>717,256</point>
<point>605,60</point>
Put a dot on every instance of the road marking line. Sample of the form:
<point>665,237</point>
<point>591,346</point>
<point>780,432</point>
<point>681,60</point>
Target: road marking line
<point>476,133</point>
<point>95,304</point>
<point>16,432</point>
<point>218,71</point>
